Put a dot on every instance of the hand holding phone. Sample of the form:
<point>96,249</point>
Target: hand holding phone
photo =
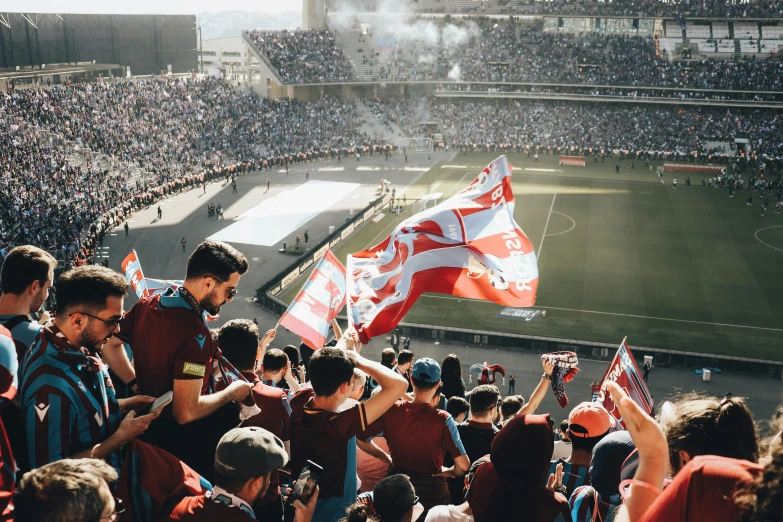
<point>306,483</point>
<point>160,402</point>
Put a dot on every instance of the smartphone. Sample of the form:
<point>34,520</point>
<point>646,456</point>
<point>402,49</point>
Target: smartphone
<point>305,484</point>
<point>159,403</point>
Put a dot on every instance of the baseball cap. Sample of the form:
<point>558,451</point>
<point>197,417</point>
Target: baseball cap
<point>426,370</point>
<point>244,453</point>
<point>589,419</point>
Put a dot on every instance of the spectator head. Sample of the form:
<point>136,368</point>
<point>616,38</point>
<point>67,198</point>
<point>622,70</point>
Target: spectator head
<point>331,372</point>
<point>484,402</point>
<point>404,360</point>
<point>395,499</point>
<point>244,461</point>
<point>425,375</point>
<point>564,430</point>
<point>388,357</point>
<point>357,384</point>
<point>89,305</point>
<point>458,408</point>
<point>515,478</point>
<point>451,375</point>
<point>238,340</point>
<point>608,458</point>
<point>709,426</point>
<point>471,474</point>
<point>766,498</point>
<point>511,406</point>
<point>27,274</point>
<point>213,273</point>
<point>293,354</point>
<point>588,423</point>
<point>68,490</point>
<point>274,365</point>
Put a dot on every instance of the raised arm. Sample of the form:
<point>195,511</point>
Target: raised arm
<point>540,392</point>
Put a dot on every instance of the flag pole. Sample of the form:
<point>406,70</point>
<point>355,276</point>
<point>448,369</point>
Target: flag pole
<point>348,285</point>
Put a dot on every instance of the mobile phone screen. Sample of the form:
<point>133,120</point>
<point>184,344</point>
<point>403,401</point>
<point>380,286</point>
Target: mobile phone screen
<point>159,403</point>
<point>305,484</point>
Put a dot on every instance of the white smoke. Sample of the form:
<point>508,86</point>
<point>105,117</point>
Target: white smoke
<point>455,73</point>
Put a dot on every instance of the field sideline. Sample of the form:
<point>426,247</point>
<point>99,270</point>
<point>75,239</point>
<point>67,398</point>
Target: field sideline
<point>623,255</point>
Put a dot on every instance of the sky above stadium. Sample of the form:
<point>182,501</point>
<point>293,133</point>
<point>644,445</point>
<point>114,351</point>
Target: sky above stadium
<point>148,6</point>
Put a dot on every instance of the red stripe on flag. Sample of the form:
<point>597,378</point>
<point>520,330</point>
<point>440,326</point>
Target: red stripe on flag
<point>309,335</point>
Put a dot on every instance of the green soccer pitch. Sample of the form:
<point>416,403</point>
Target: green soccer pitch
<point>622,255</point>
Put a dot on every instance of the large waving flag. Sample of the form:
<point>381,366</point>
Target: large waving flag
<point>467,246</point>
<point>317,303</point>
<point>143,286</point>
<point>624,371</point>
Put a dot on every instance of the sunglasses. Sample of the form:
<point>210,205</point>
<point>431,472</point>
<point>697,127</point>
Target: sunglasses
<point>112,324</point>
<point>232,291</point>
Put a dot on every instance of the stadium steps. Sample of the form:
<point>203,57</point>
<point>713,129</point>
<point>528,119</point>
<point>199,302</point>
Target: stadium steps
<point>374,126</point>
<point>356,49</point>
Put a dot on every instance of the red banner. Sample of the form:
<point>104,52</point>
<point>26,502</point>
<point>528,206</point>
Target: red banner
<point>624,371</point>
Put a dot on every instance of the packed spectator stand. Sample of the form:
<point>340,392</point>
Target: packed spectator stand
<point>148,138</point>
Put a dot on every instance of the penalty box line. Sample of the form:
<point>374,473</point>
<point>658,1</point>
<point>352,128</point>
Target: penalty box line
<point>617,314</point>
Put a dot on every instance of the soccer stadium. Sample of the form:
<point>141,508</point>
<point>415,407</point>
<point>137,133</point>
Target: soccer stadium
<point>421,260</point>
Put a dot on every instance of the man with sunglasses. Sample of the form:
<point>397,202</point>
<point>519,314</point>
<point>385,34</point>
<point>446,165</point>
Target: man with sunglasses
<point>67,398</point>
<point>173,350</point>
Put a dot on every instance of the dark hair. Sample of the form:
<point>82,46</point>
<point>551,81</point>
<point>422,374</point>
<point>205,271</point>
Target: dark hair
<point>275,360</point>
<point>511,405</point>
<point>22,266</point>
<point>393,497</point>
<point>67,490</point>
<point>357,513</point>
<point>709,426</point>
<point>238,340</point>
<point>217,259</point>
<point>88,287</point>
<point>330,368</point>
<point>404,357</point>
<point>232,485</point>
<point>483,398</point>
<point>306,352</point>
<point>564,425</point>
<point>585,443</point>
<point>293,354</point>
<point>456,406</point>
<point>424,386</point>
<point>451,376</point>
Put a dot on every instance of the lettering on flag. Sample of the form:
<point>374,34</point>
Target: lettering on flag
<point>469,246</point>
<point>144,286</point>
<point>624,371</point>
<point>311,313</point>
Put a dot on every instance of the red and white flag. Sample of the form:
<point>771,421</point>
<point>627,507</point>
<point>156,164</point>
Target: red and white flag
<point>624,371</point>
<point>467,246</point>
<point>310,315</point>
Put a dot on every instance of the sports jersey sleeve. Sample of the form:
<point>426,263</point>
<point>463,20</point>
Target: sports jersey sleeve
<point>49,420</point>
<point>450,438</point>
<point>376,429</point>
<point>127,324</point>
<point>9,369</point>
<point>193,357</point>
<point>285,417</point>
<point>351,422</point>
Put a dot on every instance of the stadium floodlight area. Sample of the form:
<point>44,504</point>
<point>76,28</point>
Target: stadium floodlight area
<point>420,144</point>
<point>577,161</point>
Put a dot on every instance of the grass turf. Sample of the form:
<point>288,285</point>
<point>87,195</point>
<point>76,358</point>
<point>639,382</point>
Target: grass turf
<point>623,255</point>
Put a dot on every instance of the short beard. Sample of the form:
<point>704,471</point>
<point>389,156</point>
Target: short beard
<point>38,302</point>
<point>209,303</point>
<point>91,341</point>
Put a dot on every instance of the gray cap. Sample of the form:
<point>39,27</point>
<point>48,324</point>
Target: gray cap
<point>244,453</point>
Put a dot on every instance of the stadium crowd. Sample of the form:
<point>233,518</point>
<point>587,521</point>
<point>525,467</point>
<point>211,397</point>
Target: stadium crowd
<point>398,440</point>
<point>596,126</point>
<point>307,56</point>
<point>177,133</point>
<point>508,52</point>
